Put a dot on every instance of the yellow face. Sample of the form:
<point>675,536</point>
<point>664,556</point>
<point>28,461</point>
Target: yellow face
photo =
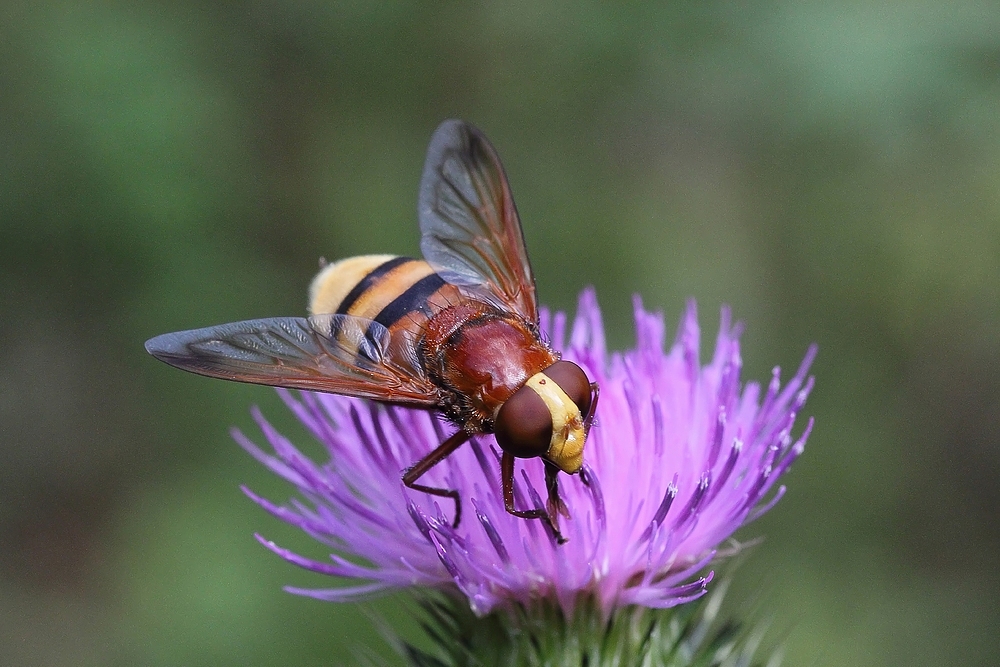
<point>566,447</point>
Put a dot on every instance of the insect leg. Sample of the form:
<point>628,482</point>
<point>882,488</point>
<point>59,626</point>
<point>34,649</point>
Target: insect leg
<point>554,504</point>
<point>507,476</point>
<point>588,421</point>
<point>416,471</point>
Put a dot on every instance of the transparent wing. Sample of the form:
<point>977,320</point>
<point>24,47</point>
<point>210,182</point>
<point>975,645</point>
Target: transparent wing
<point>339,354</point>
<point>469,224</point>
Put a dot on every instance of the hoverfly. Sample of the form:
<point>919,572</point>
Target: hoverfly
<point>456,332</point>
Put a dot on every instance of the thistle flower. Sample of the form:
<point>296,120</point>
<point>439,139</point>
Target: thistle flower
<point>681,456</point>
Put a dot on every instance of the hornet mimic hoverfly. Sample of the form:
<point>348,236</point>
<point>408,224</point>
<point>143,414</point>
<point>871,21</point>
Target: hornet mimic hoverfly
<point>456,332</point>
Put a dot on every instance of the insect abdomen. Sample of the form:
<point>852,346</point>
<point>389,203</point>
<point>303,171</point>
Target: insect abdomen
<point>393,291</point>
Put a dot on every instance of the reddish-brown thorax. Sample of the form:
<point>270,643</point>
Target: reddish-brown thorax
<point>483,354</point>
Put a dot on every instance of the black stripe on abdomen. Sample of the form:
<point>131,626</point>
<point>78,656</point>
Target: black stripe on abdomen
<point>414,299</point>
<point>369,281</point>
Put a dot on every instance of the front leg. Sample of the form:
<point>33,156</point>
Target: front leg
<point>507,477</point>
<point>588,420</point>
<point>555,505</point>
<point>416,471</point>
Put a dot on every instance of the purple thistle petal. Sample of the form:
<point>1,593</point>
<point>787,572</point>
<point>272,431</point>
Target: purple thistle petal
<point>492,533</point>
<point>269,462</point>
<point>559,330</point>
<point>727,469</point>
<point>661,512</point>
<point>720,427</point>
<point>340,569</point>
<point>448,563</point>
<point>350,594</point>
<point>299,520</point>
<point>763,509</point>
<point>680,456</point>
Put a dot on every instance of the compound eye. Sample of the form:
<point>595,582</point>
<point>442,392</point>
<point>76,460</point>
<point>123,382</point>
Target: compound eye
<point>574,382</point>
<point>524,425</point>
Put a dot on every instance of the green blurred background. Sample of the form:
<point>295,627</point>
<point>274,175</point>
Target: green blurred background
<point>831,170</point>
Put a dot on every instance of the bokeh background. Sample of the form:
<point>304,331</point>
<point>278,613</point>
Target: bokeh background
<point>830,169</point>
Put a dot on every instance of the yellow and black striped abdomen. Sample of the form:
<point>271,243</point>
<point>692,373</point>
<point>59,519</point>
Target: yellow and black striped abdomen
<point>387,289</point>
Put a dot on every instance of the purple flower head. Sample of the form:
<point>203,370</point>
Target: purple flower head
<point>680,457</point>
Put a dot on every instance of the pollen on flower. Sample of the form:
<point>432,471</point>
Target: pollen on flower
<point>681,456</point>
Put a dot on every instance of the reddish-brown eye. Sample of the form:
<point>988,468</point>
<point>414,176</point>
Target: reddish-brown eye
<point>573,381</point>
<point>524,425</point>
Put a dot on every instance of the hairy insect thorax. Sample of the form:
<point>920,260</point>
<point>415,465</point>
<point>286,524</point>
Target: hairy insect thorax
<point>482,356</point>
